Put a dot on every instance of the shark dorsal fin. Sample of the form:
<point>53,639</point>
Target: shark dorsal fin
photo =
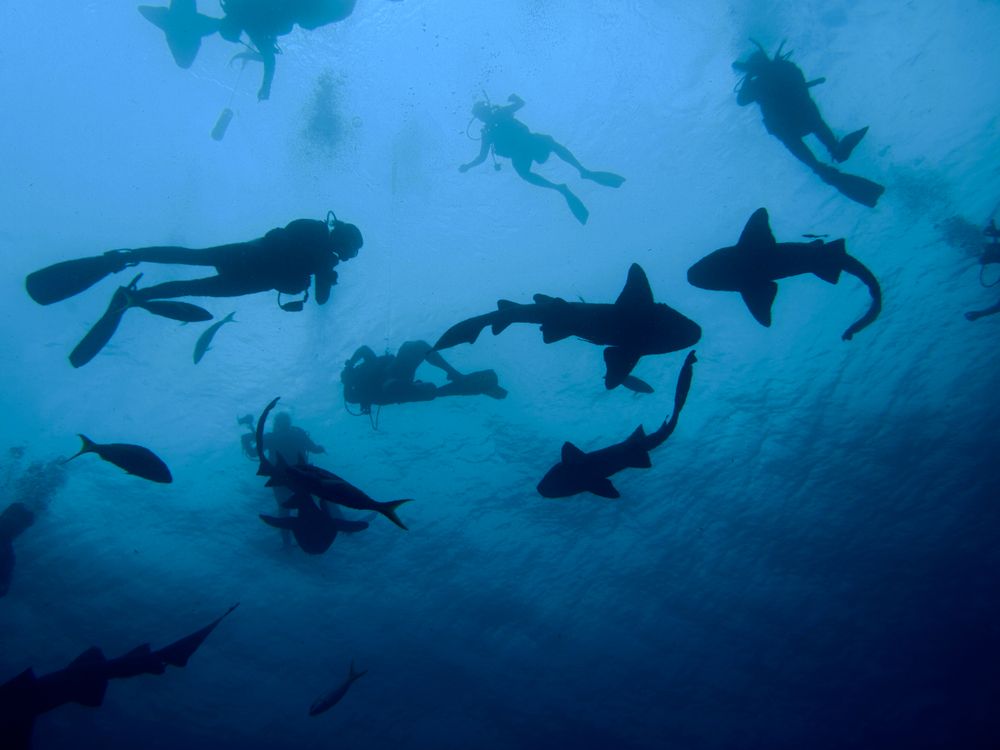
<point>636,292</point>
<point>757,233</point>
<point>572,455</point>
<point>544,299</point>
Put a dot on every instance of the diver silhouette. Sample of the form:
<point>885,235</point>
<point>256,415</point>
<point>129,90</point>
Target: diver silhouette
<point>790,114</point>
<point>284,260</point>
<point>991,254</point>
<point>372,380</point>
<point>510,138</point>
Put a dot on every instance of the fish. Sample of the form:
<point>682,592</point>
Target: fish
<point>332,698</point>
<point>757,261</point>
<point>15,519</point>
<point>205,340</point>
<point>633,327</point>
<point>307,479</point>
<point>133,459</point>
<point>313,529</point>
<point>579,472</point>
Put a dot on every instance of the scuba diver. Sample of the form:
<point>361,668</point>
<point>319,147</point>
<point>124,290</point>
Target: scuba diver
<point>507,136</point>
<point>991,254</point>
<point>263,21</point>
<point>790,114</point>
<point>283,260</point>
<point>369,379</point>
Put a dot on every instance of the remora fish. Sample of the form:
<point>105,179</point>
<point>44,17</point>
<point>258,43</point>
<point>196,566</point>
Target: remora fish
<point>579,472</point>
<point>633,327</point>
<point>333,697</point>
<point>205,340</point>
<point>312,480</point>
<point>133,459</point>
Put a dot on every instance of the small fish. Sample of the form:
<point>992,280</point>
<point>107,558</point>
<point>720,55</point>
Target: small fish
<point>333,697</point>
<point>205,340</point>
<point>133,459</point>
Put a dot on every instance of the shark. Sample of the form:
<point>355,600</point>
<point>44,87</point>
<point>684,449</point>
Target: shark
<point>756,262</point>
<point>634,326</point>
<point>183,26</point>
<point>578,471</point>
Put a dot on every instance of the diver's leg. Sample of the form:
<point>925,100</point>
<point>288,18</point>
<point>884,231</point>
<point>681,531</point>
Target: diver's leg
<point>211,286</point>
<point>976,314</point>
<point>608,179</point>
<point>407,360</point>
<point>182,256</point>
<point>801,152</point>
<point>523,168</point>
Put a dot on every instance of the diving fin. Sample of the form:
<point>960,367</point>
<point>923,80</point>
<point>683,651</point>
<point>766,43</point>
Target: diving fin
<point>102,331</point>
<point>607,179</point>
<point>856,188</point>
<point>847,144</point>
<point>576,206</point>
<point>70,277</point>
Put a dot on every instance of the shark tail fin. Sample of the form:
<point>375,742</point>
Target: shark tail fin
<point>389,511</point>
<point>465,332</point>
<point>89,446</point>
<point>831,261</point>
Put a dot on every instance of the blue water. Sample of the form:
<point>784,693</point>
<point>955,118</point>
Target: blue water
<point>812,560</point>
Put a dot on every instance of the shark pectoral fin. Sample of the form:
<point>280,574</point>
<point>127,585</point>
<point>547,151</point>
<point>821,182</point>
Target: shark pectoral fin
<point>158,16</point>
<point>759,300</point>
<point>619,362</point>
<point>603,488</point>
<point>572,455</point>
<point>636,292</point>
<point>757,232</point>
<point>636,385</point>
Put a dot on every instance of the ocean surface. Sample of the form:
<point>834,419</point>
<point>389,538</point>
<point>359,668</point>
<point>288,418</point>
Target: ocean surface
<point>812,561</point>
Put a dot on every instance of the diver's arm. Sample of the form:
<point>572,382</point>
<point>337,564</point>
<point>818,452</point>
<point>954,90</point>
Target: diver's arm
<point>363,354</point>
<point>516,103</point>
<point>323,284</point>
<point>747,93</point>
<point>484,151</point>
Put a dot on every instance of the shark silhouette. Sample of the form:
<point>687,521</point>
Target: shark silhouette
<point>633,327</point>
<point>183,26</point>
<point>85,681</point>
<point>579,472</point>
<point>757,261</point>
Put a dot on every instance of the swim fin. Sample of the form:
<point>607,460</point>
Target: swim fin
<point>63,280</point>
<point>847,144</point>
<point>608,179</point>
<point>102,331</point>
<point>856,188</point>
<point>576,206</point>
